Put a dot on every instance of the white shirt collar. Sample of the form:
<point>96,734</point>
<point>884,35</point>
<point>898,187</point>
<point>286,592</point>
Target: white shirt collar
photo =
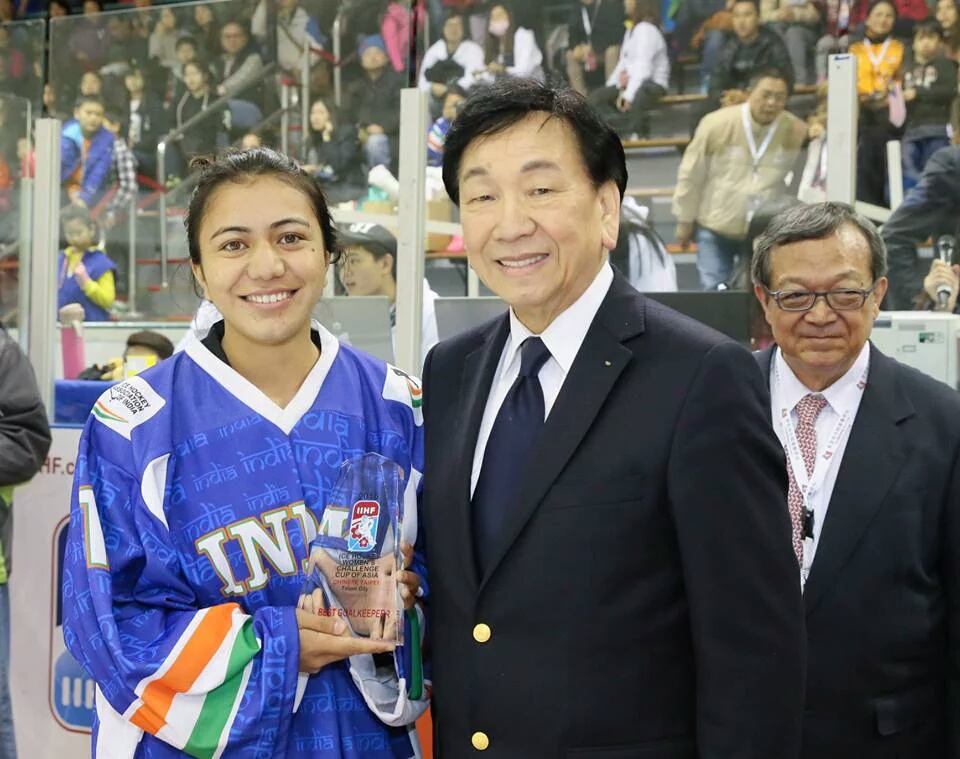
<point>565,334</point>
<point>841,395</point>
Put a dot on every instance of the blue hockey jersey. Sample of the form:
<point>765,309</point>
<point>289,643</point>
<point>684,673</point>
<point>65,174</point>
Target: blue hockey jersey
<point>195,500</point>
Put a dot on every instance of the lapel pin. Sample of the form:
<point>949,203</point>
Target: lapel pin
<point>607,363</point>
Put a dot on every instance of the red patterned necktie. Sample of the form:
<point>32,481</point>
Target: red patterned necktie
<point>808,409</point>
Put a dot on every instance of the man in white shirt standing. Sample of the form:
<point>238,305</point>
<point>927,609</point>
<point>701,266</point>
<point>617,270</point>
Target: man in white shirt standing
<point>874,499</point>
<point>605,511</point>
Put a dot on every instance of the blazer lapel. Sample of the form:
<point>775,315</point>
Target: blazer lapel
<point>598,365</point>
<point>872,460</point>
<point>479,367</point>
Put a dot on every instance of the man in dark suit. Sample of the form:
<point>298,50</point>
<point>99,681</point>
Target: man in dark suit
<point>610,566</point>
<point>877,500</point>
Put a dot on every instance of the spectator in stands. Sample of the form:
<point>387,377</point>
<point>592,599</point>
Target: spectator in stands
<point>239,62</point>
<point>91,84</point>
<point>8,11</point>
<point>295,30</point>
<point>835,38</point>
<point>451,60</point>
<point>123,44</point>
<point>738,158</point>
<point>334,157</point>
<point>929,210</point>
<point>509,50</point>
<point>207,135</point>
<point>187,51</point>
<point>86,153</point>
<point>909,12</point>
<point>374,104</point>
<point>238,70</point>
<point>749,49</point>
<point>14,64</point>
<point>813,179</point>
<point>641,76</point>
<point>143,20</point>
<point>58,9</point>
<point>396,29</point>
<point>799,23</point>
<point>595,29</point>
<point>87,36</point>
<point>437,137</point>
<point>690,17</point>
<point>123,174</point>
<point>24,444</point>
<point>148,344</point>
<point>206,30</point>
<point>948,16</point>
<point>163,40</point>
<point>368,267</point>
<point>879,67</point>
<point>143,350</point>
<point>929,88</point>
<point>710,38</point>
<point>146,119</point>
<point>85,272</point>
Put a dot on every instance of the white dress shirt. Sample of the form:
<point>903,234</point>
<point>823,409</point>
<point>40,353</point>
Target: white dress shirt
<point>843,395</point>
<point>563,338</point>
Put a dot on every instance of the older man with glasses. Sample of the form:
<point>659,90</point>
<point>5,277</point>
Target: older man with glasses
<point>872,449</point>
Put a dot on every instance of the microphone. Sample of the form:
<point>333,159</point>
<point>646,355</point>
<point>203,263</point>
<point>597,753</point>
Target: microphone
<point>946,244</point>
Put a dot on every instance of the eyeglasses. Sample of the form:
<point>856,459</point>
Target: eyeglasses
<point>848,299</point>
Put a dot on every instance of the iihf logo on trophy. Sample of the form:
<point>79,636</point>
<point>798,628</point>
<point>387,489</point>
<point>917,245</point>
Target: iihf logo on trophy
<point>363,526</point>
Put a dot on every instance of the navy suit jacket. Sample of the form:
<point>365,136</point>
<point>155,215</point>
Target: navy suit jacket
<point>882,602</point>
<point>644,600</point>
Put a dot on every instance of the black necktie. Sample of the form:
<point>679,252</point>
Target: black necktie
<point>512,437</point>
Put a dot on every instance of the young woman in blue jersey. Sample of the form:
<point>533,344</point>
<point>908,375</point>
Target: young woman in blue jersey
<point>199,486</point>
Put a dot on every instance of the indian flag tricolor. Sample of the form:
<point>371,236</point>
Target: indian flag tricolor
<point>192,699</point>
<point>416,394</point>
<point>106,415</point>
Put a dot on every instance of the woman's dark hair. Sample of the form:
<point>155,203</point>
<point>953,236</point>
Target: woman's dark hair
<point>891,3</point>
<point>494,109</point>
<point>203,69</point>
<point>491,44</point>
<point>242,166</point>
<point>187,39</point>
<point>929,27</point>
<point>64,4</point>
<point>332,112</point>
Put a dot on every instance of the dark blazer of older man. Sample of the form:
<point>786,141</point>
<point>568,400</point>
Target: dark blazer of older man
<point>644,600</point>
<point>882,601</point>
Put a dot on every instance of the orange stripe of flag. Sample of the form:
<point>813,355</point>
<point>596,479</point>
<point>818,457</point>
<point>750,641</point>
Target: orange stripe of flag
<point>183,673</point>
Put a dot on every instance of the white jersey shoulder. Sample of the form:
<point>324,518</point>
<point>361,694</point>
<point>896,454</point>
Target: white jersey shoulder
<point>404,388</point>
<point>127,405</point>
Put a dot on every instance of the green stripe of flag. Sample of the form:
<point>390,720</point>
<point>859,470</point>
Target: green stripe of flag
<point>219,702</point>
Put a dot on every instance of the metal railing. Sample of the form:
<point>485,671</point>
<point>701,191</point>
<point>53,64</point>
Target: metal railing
<point>212,110</point>
<point>337,57</point>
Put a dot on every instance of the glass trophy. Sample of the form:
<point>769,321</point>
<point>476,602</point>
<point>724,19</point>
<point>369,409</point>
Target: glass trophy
<point>354,562</point>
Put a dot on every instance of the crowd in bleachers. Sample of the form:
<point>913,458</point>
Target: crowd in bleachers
<point>206,76</point>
